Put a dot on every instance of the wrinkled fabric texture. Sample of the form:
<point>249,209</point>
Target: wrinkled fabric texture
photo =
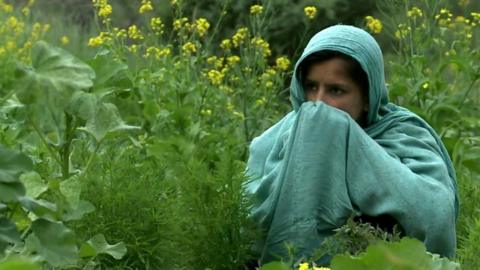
<point>316,167</point>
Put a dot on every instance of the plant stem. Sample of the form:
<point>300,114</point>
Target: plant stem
<point>65,150</point>
<point>49,148</point>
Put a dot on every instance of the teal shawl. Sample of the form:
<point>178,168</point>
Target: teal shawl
<point>316,167</point>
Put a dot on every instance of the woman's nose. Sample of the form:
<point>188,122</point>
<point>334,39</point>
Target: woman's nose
<point>318,94</point>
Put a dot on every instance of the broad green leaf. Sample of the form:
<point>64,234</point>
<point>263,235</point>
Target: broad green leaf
<point>275,266</point>
<point>18,263</point>
<point>98,245</point>
<point>408,254</point>
<point>106,120</point>
<point>54,73</point>
<point>40,208</point>
<point>11,192</point>
<point>82,208</point>
<point>57,242</point>
<point>106,68</point>
<point>83,105</point>
<point>12,164</point>
<point>34,184</point>
<point>8,233</point>
<point>71,188</point>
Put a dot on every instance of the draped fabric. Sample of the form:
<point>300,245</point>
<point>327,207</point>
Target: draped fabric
<point>316,167</point>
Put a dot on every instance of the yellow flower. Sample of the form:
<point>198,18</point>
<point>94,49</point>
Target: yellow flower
<point>232,60</point>
<point>189,47</point>
<point>414,12</point>
<point>373,25</point>
<point>26,11</point>
<point>178,23</point>
<point>206,112</point>
<point>310,12</point>
<point>202,26</point>
<point>256,9</point>
<point>282,63</point>
<point>64,40</point>
<point>157,25</point>
<point>164,52</point>
<point>425,85</point>
<point>95,41</point>
<point>7,8</point>
<point>215,76</point>
<point>226,44</point>
<point>303,266</point>
<point>134,33</point>
<point>133,48</point>
<point>261,101</point>
<point>173,2</point>
<point>146,6</point>
<point>262,45</point>
<point>105,11</point>
<point>120,33</point>
<point>239,36</point>
<point>402,31</point>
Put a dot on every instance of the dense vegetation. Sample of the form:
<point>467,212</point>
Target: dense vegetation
<point>124,132</point>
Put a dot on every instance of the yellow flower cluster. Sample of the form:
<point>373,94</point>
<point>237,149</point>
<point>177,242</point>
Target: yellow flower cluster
<point>157,52</point>
<point>217,62</point>
<point>282,63</point>
<point>146,6</point>
<point>373,25</point>
<point>202,26</point>
<point>120,33</point>
<point>240,36</point>
<point>226,44</point>
<point>189,48</point>
<point>262,45</point>
<point>157,25</point>
<point>64,40</point>
<point>305,266</point>
<point>134,33</point>
<point>101,39</point>
<point>310,12</point>
<point>14,25</point>
<point>179,23</point>
<point>402,31</point>
<point>7,8</point>
<point>105,11</point>
<point>414,12</point>
<point>444,18</point>
<point>256,9</point>
<point>476,18</point>
<point>232,60</point>
<point>215,76</point>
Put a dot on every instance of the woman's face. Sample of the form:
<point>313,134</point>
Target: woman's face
<point>329,81</point>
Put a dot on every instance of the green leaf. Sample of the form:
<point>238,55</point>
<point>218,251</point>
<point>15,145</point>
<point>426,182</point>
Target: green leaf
<point>83,105</point>
<point>71,188</point>
<point>106,68</point>
<point>18,263</point>
<point>40,208</point>
<point>57,242</point>
<point>11,192</point>
<point>77,213</point>
<point>54,73</point>
<point>12,164</point>
<point>275,266</point>
<point>106,120</point>
<point>408,254</point>
<point>34,184</point>
<point>8,233</point>
<point>98,245</point>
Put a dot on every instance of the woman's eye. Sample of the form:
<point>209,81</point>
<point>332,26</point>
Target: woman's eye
<point>337,91</point>
<point>310,87</point>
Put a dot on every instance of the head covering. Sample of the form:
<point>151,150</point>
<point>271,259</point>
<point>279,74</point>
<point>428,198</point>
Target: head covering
<point>357,44</point>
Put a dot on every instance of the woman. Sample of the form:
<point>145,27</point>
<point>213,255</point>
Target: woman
<point>343,150</point>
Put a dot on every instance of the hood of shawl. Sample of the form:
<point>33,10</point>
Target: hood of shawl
<point>359,45</point>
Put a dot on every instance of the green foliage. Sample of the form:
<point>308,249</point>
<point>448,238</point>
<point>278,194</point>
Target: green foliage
<point>408,254</point>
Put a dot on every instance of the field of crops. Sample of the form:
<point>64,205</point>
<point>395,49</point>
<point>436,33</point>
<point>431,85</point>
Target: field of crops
<point>124,127</point>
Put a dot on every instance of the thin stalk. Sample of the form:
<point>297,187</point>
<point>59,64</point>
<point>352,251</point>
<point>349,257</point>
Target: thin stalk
<point>66,148</point>
<point>42,138</point>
